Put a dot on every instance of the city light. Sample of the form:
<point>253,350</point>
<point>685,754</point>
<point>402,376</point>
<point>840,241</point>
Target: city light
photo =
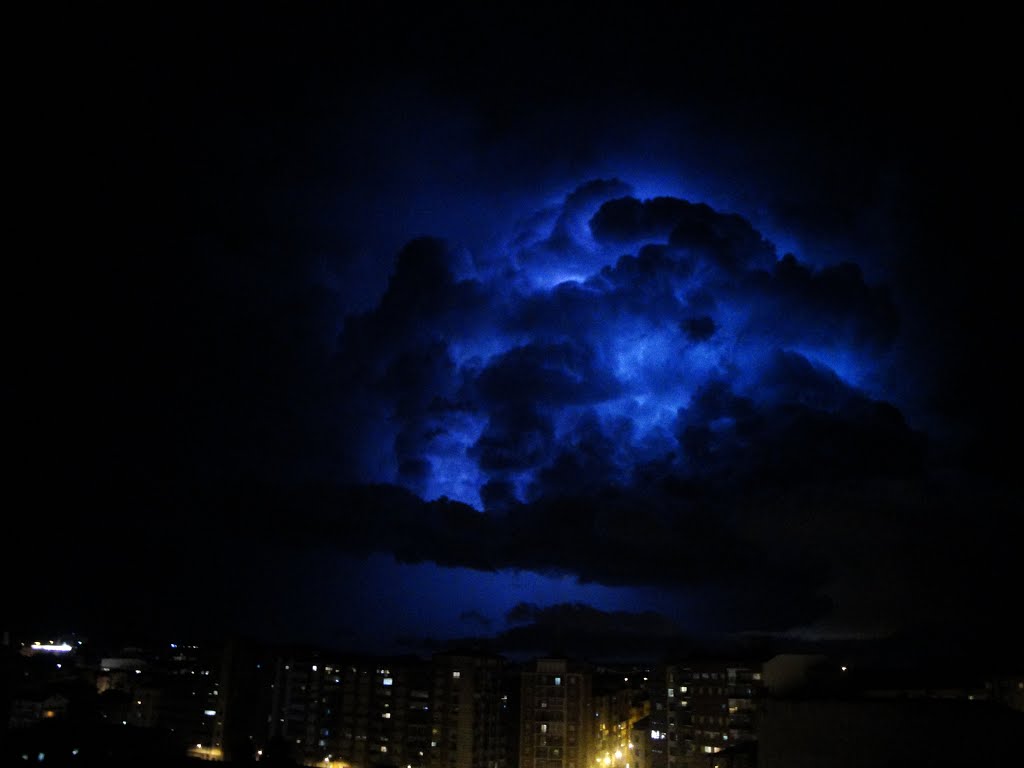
<point>51,647</point>
<point>613,731</point>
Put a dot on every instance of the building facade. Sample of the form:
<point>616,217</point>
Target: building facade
<point>352,712</point>
<point>557,716</point>
<point>710,708</point>
<point>468,711</point>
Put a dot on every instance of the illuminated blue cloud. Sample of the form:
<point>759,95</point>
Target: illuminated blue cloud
<point>588,344</point>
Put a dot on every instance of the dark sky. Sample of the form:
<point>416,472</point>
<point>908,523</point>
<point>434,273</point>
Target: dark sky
<point>605,327</point>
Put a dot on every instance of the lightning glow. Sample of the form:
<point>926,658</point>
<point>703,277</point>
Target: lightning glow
<point>592,330</point>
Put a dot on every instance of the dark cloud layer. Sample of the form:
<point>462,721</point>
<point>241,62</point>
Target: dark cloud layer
<point>585,629</point>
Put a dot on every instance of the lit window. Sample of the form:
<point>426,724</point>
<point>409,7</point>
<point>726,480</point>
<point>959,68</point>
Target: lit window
<point>456,675</point>
<point>558,681</point>
<point>386,715</point>
<point>383,748</point>
<point>314,667</point>
<point>388,681</point>
<point>671,693</point>
<point>543,727</point>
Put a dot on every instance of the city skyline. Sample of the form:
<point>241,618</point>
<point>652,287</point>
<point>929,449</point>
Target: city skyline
<point>85,702</point>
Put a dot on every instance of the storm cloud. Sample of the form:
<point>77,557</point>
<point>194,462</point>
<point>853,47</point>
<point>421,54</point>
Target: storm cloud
<point>493,370</point>
<point>634,392</point>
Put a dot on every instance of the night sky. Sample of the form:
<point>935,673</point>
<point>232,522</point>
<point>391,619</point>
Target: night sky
<point>596,328</point>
